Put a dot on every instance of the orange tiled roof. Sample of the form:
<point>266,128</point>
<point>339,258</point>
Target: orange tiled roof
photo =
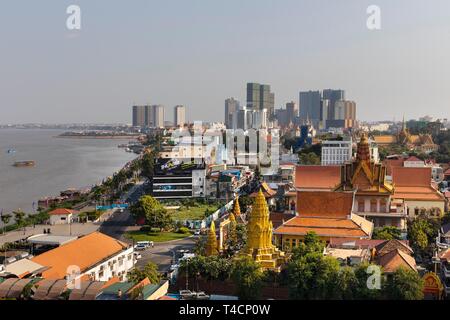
<point>324,203</point>
<point>386,139</point>
<point>414,184</point>
<point>84,252</point>
<point>395,259</point>
<point>391,163</point>
<point>61,211</point>
<point>407,177</point>
<point>324,227</point>
<point>317,177</point>
<point>418,193</point>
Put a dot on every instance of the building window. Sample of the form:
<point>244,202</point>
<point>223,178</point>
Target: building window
<point>373,205</point>
<point>361,206</point>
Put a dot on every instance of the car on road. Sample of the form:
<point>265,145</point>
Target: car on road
<point>174,267</point>
<point>142,245</point>
<point>137,255</point>
<point>197,233</point>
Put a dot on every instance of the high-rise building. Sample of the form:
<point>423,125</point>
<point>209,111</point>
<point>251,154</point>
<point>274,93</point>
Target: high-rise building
<point>139,119</point>
<point>291,112</point>
<point>344,115</point>
<point>259,97</point>
<point>158,116</point>
<point>243,119</point>
<point>333,96</point>
<point>231,107</point>
<point>179,116</point>
<point>310,107</point>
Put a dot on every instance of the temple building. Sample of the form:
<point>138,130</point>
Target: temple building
<point>414,187</point>
<point>373,193</point>
<point>259,237</point>
<point>329,214</point>
<point>421,143</point>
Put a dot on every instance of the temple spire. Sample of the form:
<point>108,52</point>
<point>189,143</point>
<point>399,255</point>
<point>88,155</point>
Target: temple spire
<point>259,236</point>
<point>211,244</point>
<point>363,151</point>
<point>236,208</point>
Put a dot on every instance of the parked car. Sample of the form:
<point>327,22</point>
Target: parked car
<point>197,232</point>
<point>137,255</point>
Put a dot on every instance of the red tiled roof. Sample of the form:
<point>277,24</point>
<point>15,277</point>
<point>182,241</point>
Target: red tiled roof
<point>411,177</point>
<point>317,177</point>
<point>324,204</point>
<point>61,211</point>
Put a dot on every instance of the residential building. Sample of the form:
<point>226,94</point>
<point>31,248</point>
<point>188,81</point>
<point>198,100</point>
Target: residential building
<point>158,116</point>
<point>231,108</point>
<point>179,116</point>
<point>95,256</point>
<point>336,152</point>
<point>139,116</point>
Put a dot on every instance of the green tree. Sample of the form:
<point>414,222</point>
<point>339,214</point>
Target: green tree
<point>309,159</point>
<point>19,217</point>
<point>153,211</point>
<point>248,278</point>
<point>422,232</point>
<point>387,233</point>
<point>313,276</point>
<point>148,164</point>
<point>404,284</point>
<point>6,218</point>
<point>150,271</point>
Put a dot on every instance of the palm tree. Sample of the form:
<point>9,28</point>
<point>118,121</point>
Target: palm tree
<point>5,219</point>
<point>19,216</point>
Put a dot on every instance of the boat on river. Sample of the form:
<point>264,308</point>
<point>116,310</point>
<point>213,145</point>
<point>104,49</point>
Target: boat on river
<point>26,163</point>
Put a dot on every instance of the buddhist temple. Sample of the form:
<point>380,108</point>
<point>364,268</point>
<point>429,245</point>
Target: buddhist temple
<point>329,214</point>
<point>373,193</point>
<point>421,142</point>
<point>211,242</point>
<point>259,237</point>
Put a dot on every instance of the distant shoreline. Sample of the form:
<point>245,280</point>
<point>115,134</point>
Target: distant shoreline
<point>96,137</point>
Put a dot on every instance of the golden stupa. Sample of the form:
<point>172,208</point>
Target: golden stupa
<point>259,237</point>
<point>211,243</point>
<point>236,208</point>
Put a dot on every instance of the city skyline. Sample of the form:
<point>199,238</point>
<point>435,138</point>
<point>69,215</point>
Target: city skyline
<point>115,61</point>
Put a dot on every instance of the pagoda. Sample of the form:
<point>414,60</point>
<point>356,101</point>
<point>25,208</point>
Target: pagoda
<point>211,242</point>
<point>236,207</point>
<point>259,237</point>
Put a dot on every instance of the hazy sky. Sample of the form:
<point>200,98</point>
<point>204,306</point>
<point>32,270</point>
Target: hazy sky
<point>199,52</point>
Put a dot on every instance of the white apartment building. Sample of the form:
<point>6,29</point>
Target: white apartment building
<point>336,152</point>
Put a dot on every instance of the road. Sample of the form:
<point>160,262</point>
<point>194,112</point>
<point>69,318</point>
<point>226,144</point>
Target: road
<point>163,253</point>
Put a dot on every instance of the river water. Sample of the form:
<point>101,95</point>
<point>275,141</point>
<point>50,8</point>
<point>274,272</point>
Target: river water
<point>61,163</point>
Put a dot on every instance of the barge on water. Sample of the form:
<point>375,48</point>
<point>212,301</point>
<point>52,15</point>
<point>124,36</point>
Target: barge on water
<point>26,163</point>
